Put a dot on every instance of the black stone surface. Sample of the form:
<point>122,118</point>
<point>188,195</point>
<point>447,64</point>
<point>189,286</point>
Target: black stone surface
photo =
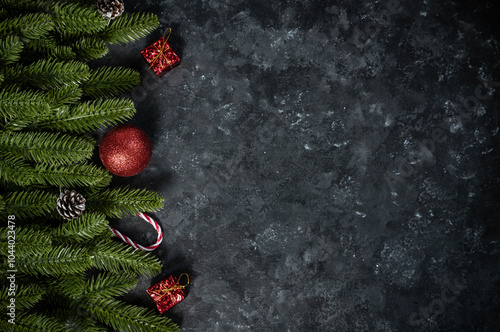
<point>326,165</point>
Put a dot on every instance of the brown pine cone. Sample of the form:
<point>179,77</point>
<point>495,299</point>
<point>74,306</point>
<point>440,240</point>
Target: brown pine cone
<point>110,9</point>
<point>70,204</point>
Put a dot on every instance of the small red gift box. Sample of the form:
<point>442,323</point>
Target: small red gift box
<point>168,292</point>
<point>160,56</point>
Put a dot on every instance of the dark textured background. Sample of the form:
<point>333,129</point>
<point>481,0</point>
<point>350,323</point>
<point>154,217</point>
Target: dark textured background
<point>326,165</point>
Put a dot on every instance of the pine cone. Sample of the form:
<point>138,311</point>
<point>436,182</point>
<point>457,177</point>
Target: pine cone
<point>110,9</point>
<point>70,204</point>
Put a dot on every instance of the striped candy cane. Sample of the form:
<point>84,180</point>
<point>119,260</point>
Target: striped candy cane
<point>150,221</point>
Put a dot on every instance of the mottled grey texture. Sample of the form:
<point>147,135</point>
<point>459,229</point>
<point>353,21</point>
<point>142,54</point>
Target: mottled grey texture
<point>320,169</point>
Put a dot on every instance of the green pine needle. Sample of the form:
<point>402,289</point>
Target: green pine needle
<point>27,295</point>
<point>76,322</point>
<point>90,48</point>
<point>43,45</point>
<point>29,241</point>
<point>119,201</point>
<point>129,27</point>
<point>101,285</point>
<point>118,257</point>
<point>110,81</point>
<point>62,53</point>
<point>70,286</point>
<point>18,124</point>
<point>29,204</point>
<point>107,285</point>
<point>78,175</point>
<point>66,95</point>
<point>72,20</point>
<point>44,147</point>
<point>90,115</point>
<point>31,26</point>
<point>83,228</point>
<point>48,74</point>
<point>48,47</point>
<point>56,262</point>
<point>10,50</point>
<point>128,318</point>
<point>15,103</point>
<point>32,322</point>
<point>17,6</point>
<point>15,170</point>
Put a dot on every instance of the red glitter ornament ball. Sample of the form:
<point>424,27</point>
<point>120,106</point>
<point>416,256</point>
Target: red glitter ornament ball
<point>125,150</point>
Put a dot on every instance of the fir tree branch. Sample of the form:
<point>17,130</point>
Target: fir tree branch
<point>48,74</point>
<point>10,50</point>
<point>78,175</point>
<point>70,286</point>
<point>66,95</point>
<point>32,322</point>
<point>29,241</point>
<point>16,103</point>
<point>31,26</point>
<point>27,295</point>
<point>110,81</point>
<point>73,20</point>
<point>47,48</point>
<point>128,318</point>
<point>84,228</point>
<point>90,48</point>
<point>15,170</point>
<point>14,7</point>
<point>118,257</point>
<point>42,45</point>
<point>24,108</point>
<point>67,311</point>
<point>18,124</point>
<point>55,304</point>
<point>62,53</point>
<point>129,27</point>
<point>58,261</point>
<point>29,204</point>
<point>75,322</point>
<point>117,202</point>
<point>107,285</point>
<point>50,148</point>
<point>89,115</point>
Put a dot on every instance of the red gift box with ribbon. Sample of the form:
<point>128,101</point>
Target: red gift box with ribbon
<point>160,56</point>
<point>168,292</point>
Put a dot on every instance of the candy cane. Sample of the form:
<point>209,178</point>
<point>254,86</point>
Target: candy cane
<point>152,222</point>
